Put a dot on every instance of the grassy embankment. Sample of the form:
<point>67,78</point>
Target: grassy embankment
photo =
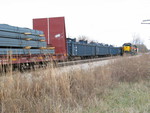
<point>123,86</point>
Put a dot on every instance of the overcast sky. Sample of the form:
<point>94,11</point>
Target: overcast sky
<point>106,21</point>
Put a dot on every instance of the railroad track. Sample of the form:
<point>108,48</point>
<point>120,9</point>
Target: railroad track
<point>61,64</point>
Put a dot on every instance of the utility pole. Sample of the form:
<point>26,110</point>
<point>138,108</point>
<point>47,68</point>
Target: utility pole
<point>146,21</point>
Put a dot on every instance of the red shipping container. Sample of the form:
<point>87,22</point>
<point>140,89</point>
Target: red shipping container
<point>54,31</point>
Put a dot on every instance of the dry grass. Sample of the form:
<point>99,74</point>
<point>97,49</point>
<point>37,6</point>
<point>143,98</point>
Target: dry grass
<point>50,91</point>
<point>131,70</point>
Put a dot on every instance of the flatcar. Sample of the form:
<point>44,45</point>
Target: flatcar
<point>23,47</point>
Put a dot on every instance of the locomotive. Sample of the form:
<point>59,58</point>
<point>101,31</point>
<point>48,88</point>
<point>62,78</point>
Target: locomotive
<point>129,48</point>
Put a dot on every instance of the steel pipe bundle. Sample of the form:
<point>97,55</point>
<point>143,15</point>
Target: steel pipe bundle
<point>5,27</point>
<point>6,51</point>
<point>22,41</point>
<point>13,35</point>
<point>4,42</point>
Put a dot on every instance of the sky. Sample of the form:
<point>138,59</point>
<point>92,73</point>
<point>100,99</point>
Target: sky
<point>106,21</point>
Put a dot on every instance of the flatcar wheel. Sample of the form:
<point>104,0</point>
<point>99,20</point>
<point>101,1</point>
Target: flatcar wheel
<point>7,68</point>
<point>51,64</point>
<point>22,67</point>
<point>54,64</point>
<point>42,64</point>
<point>32,66</point>
<point>4,68</point>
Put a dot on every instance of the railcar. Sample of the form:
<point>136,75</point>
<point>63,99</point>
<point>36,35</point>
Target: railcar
<point>83,49</point>
<point>80,49</point>
<point>115,51</point>
<point>102,50</point>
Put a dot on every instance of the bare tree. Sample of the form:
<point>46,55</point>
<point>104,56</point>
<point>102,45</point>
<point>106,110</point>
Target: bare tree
<point>82,37</point>
<point>137,41</point>
<point>86,38</point>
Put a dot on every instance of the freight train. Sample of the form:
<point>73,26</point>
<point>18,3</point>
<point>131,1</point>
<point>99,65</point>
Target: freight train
<point>46,42</point>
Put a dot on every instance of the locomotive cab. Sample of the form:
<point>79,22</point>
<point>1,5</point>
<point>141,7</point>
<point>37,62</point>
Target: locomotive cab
<point>127,47</point>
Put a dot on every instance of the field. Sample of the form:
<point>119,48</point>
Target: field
<point>122,86</point>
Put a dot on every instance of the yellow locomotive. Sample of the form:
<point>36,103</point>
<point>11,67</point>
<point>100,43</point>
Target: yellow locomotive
<point>129,48</point>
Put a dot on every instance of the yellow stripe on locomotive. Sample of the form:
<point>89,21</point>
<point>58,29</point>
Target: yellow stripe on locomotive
<point>127,48</point>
